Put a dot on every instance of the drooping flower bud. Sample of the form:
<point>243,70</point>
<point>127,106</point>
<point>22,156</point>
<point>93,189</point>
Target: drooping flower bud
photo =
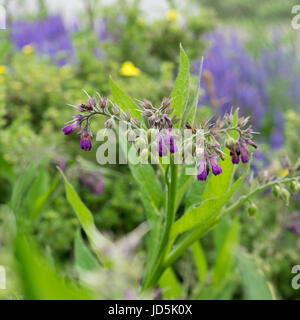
<point>276,191</point>
<point>166,103</point>
<point>285,195</point>
<point>244,152</point>
<point>92,103</point>
<point>252,209</point>
<point>86,142</point>
<point>116,110</point>
<point>147,113</point>
<point>216,168</point>
<point>103,103</point>
<point>70,128</point>
<point>230,143</point>
<point>109,123</point>
<point>293,186</point>
<point>162,149</point>
<point>203,171</point>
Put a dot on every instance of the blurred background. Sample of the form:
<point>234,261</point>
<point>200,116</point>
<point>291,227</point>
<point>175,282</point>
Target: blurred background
<point>52,50</point>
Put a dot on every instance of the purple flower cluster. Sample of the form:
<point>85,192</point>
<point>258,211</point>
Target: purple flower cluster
<point>49,36</point>
<point>203,167</point>
<point>262,86</point>
<point>166,140</point>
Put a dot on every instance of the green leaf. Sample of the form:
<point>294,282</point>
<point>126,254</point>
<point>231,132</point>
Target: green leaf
<point>220,233</point>
<point>86,219</point>
<point>170,285</point>
<point>39,280</point>
<point>150,188</point>
<point>153,241</point>
<point>191,109</point>
<point>180,94</point>
<point>225,258</point>
<point>208,210</point>
<point>6,169</point>
<point>39,186</point>
<point>22,184</point>
<point>255,285</point>
<point>40,202</point>
<point>200,260</point>
<point>84,258</point>
<point>124,101</point>
<point>184,183</point>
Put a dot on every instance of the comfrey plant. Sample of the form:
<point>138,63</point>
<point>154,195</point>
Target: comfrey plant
<point>180,208</point>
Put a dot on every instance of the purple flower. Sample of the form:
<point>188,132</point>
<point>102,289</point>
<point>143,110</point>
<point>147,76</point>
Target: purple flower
<point>169,141</point>
<point>70,127</point>
<point>49,36</point>
<point>98,188</point>
<point>235,159</point>
<point>244,152</point>
<point>86,142</point>
<point>216,168</point>
<point>203,171</point>
<point>162,149</point>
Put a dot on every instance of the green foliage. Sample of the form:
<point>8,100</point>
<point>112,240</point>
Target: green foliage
<point>180,94</point>
<point>255,285</point>
<point>39,280</point>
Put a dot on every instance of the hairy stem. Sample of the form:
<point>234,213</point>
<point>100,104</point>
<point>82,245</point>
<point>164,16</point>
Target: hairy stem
<point>170,217</point>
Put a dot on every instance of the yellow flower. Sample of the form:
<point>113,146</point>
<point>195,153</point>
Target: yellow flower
<point>28,49</point>
<point>172,15</point>
<point>2,69</point>
<point>283,173</point>
<point>292,116</point>
<point>129,69</point>
<point>140,21</point>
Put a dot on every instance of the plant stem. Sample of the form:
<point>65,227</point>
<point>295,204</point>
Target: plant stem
<point>195,235</point>
<point>254,192</point>
<point>170,217</point>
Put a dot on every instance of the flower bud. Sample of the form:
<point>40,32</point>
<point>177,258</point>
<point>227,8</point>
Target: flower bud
<point>136,122</point>
<point>285,195</point>
<point>116,110</point>
<point>140,143</point>
<point>103,103</point>
<point>166,103</point>
<point>109,123</point>
<point>252,209</point>
<point>298,188</point>
<point>293,186</point>
<point>126,116</point>
<point>130,135</point>
<point>147,104</point>
<point>230,143</point>
<point>151,134</point>
<point>144,156</point>
<point>276,191</point>
<point>147,113</point>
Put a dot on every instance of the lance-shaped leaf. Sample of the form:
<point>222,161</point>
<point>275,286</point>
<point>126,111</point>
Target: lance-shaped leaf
<point>180,94</point>
<point>123,100</point>
<point>86,219</point>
